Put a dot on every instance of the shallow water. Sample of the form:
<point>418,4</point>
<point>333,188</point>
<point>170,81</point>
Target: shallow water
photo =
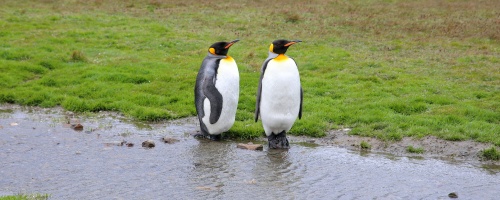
<point>39,153</point>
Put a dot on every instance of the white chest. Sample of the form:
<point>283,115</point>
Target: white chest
<point>280,96</point>
<point>281,79</point>
<point>227,77</point>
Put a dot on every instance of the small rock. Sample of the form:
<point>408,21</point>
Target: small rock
<point>250,146</point>
<point>115,143</point>
<point>205,188</point>
<point>77,127</point>
<point>453,195</point>
<point>130,144</point>
<point>169,140</point>
<point>14,124</point>
<point>148,144</point>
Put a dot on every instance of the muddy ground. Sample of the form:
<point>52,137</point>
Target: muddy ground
<point>433,147</point>
<point>462,151</point>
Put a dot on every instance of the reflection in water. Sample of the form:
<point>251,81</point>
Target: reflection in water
<point>278,172</point>
<point>490,168</point>
<point>211,173</point>
<point>273,172</point>
<point>221,170</point>
<point>39,154</point>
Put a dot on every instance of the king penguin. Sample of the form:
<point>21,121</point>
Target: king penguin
<point>216,91</point>
<point>279,96</point>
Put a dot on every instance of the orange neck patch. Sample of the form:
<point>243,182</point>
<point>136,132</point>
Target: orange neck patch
<point>281,57</point>
<point>229,58</point>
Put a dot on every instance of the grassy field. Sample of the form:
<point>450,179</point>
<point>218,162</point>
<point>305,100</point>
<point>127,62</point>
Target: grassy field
<point>26,197</point>
<point>386,69</point>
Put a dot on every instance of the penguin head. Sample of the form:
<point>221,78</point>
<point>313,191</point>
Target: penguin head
<point>221,48</point>
<point>280,46</point>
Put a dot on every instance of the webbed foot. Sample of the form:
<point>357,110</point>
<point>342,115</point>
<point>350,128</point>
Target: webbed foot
<point>215,137</point>
<point>278,141</point>
<point>208,136</point>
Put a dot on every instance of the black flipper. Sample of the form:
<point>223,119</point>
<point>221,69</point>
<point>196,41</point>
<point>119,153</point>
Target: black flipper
<point>301,97</point>
<point>215,98</point>
<point>205,88</point>
<point>301,94</point>
<point>259,90</point>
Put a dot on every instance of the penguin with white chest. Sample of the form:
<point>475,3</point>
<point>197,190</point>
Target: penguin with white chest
<point>217,91</point>
<point>279,96</point>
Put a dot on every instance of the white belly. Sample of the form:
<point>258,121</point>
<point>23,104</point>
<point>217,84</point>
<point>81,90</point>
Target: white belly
<point>280,96</point>
<point>228,84</point>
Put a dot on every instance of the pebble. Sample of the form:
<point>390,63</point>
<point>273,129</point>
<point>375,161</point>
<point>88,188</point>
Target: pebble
<point>148,144</point>
<point>115,143</point>
<point>453,195</point>
<point>169,140</point>
<point>250,146</point>
<point>77,127</point>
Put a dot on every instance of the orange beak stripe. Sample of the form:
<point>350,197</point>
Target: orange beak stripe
<point>290,43</point>
<point>229,45</point>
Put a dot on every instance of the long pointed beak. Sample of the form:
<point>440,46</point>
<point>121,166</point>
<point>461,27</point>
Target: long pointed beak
<point>231,43</point>
<point>292,42</point>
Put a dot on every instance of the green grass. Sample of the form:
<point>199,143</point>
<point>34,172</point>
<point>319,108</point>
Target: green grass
<point>490,154</point>
<point>387,69</point>
<point>365,145</point>
<point>26,197</point>
<point>411,149</point>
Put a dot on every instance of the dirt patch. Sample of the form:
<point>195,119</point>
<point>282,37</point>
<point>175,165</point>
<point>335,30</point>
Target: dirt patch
<point>432,146</point>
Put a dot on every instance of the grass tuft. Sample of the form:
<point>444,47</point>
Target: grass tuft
<point>26,197</point>
<point>490,154</point>
<point>411,149</point>
<point>292,18</point>
<point>78,56</point>
<point>365,145</point>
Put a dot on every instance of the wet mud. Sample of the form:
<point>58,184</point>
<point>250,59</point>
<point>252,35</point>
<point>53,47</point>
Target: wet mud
<point>433,147</point>
<point>106,157</point>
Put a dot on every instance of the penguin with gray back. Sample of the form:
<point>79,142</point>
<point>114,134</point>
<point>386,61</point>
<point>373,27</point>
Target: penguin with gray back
<point>217,91</point>
<point>279,95</point>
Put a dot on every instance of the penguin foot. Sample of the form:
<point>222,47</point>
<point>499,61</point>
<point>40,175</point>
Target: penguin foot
<point>278,141</point>
<point>208,136</point>
<point>199,135</point>
<point>215,137</point>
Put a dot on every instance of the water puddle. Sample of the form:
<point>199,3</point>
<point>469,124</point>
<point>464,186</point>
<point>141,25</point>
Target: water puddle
<point>41,153</point>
